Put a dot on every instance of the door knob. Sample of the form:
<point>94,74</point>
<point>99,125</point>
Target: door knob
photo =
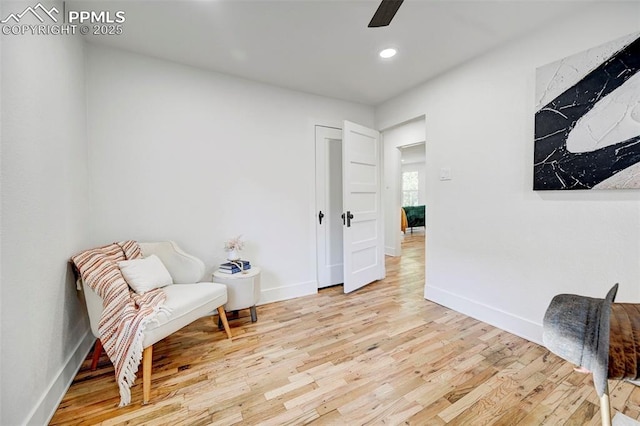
<point>349,217</point>
<point>320,216</point>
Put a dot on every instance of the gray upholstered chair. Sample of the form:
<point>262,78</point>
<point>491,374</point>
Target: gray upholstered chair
<point>599,336</point>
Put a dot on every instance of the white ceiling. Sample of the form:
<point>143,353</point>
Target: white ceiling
<point>324,46</point>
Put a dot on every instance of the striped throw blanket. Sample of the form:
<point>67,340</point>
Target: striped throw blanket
<point>125,313</point>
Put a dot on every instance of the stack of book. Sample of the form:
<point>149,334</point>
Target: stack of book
<point>234,266</point>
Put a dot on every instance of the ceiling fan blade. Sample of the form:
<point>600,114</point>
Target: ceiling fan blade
<point>385,13</point>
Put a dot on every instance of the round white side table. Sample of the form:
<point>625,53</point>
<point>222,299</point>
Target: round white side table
<point>243,290</point>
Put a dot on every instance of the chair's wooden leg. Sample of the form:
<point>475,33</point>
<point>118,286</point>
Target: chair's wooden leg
<point>147,357</point>
<point>97,351</point>
<point>223,316</point>
<point>605,408</point>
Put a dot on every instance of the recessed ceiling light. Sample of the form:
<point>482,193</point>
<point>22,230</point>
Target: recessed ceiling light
<point>388,53</point>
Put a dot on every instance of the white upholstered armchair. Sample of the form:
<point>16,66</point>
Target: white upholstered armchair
<point>187,299</point>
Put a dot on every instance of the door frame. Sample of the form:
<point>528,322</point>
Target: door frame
<point>313,207</point>
<point>393,182</point>
<point>327,274</point>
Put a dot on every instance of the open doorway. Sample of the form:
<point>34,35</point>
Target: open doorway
<point>404,160</point>
<point>412,188</point>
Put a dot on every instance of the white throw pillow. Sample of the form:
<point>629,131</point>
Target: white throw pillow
<point>145,274</point>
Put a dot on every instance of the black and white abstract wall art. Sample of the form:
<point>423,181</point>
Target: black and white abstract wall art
<point>587,121</point>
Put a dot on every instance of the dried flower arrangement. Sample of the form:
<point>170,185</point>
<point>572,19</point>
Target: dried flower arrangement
<point>235,243</point>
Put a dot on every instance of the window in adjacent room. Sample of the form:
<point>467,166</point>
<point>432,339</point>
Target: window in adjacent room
<point>410,187</point>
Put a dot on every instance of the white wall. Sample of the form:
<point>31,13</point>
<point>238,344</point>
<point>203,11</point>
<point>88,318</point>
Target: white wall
<point>44,222</point>
<point>498,250</point>
<point>199,157</point>
<point>401,134</point>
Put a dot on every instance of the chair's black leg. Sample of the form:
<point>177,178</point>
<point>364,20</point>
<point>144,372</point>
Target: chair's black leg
<point>254,314</point>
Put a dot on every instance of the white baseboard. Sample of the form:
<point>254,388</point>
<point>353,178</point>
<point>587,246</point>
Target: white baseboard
<point>48,403</point>
<point>390,251</point>
<point>504,320</point>
<point>288,292</point>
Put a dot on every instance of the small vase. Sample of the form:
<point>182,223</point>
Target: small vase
<point>233,255</point>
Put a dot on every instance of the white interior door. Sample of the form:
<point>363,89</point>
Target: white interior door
<point>329,206</point>
<point>363,229</point>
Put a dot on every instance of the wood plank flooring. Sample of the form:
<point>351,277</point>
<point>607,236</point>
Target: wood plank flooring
<point>381,355</point>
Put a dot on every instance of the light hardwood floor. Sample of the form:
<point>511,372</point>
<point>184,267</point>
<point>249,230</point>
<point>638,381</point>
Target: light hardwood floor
<point>381,355</point>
